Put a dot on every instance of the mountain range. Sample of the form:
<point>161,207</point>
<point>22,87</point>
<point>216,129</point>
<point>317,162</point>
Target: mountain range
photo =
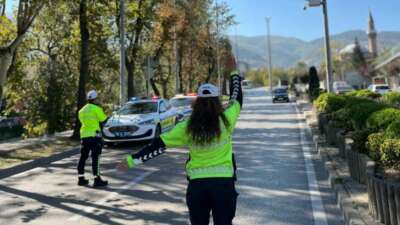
<point>287,51</point>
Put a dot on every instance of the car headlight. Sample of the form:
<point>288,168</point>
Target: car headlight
<point>147,122</point>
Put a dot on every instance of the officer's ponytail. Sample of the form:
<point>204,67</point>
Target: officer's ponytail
<point>204,123</point>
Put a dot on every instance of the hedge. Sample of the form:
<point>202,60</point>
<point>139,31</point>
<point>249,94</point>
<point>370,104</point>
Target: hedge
<point>391,98</point>
<point>393,130</point>
<point>390,153</point>
<point>381,119</point>
<point>360,138</point>
<point>364,94</point>
<point>342,119</point>
<point>361,112</point>
<point>374,143</point>
<point>328,103</point>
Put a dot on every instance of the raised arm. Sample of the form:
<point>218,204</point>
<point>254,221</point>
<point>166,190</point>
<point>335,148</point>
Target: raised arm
<point>174,138</point>
<point>235,87</point>
<point>156,148</point>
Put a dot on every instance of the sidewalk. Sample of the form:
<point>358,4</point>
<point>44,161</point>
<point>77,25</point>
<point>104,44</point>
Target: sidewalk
<point>17,151</point>
<point>7,146</point>
<point>352,197</point>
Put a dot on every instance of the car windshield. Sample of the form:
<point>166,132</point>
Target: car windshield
<point>280,91</point>
<point>138,108</point>
<point>180,102</point>
<point>382,87</point>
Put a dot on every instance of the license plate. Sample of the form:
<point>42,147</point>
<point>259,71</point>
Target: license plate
<point>121,134</point>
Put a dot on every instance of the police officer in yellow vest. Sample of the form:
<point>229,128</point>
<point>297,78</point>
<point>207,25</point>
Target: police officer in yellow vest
<point>91,116</point>
<point>211,168</point>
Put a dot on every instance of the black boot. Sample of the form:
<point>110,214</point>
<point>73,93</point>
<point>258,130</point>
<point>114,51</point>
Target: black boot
<point>98,182</point>
<point>82,181</point>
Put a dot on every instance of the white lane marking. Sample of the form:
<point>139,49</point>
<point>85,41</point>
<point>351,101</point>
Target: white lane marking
<point>90,209</point>
<point>313,188</point>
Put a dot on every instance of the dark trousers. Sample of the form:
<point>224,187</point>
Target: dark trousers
<point>216,195</point>
<point>93,145</point>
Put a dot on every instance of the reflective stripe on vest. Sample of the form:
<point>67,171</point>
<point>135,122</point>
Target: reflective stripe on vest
<point>210,171</point>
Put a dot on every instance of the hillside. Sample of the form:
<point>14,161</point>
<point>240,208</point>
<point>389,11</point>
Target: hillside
<point>287,51</point>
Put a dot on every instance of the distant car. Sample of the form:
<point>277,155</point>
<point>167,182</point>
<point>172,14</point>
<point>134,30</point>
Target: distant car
<point>280,94</point>
<point>247,84</point>
<point>379,88</point>
<point>183,103</point>
<point>139,120</point>
<point>341,87</point>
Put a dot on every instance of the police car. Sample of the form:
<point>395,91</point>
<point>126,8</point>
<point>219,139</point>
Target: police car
<point>183,103</point>
<point>140,119</point>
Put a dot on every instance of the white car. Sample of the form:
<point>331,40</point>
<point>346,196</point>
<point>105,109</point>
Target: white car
<point>140,120</point>
<point>341,87</point>
<point>183,103</point>
<point>247,84</point>
<point>379,88</point>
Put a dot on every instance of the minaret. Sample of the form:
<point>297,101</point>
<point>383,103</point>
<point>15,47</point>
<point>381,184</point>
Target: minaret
<point>372,36</point>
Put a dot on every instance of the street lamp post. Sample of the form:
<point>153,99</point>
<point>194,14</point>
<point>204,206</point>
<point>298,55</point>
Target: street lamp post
<point>324,4</point>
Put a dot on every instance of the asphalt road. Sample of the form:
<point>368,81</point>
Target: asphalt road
<point>279,181</point>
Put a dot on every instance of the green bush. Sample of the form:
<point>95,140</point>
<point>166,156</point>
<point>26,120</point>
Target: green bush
<point>350,101</point>
<point>360,138</point>
<point>391,98</point>
<point>32,130</point>
<point>393,130</point>
<point>364,94</point>
<point>381,119</point>
<point>390,153</point>
<point>361,112</point>
<point>374,142</point>
<point>342,119</point>
<point>327,103</point>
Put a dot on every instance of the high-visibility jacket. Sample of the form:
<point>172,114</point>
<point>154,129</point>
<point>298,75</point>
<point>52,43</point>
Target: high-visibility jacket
<point>91,116</point>
<point>211,160</point>
<point>205,161</point>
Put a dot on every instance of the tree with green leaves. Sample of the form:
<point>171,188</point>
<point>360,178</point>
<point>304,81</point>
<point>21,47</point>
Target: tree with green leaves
<point>313,85</point>
<point>358,59</point>
<point>26,14</point>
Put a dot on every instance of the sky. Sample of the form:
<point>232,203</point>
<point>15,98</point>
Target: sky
<point>289,19</point>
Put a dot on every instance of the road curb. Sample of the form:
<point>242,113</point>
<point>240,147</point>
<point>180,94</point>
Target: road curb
<point>349,211</point>
<point>31,164</point>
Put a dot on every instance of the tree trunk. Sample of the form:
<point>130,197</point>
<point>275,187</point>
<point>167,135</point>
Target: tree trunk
<point>135,50</point>
<point>6,56</point>
<point>84,63</point>
<point>130,68</point>
<point>53,106</point>
<point>154,87</point>
<point>191,78</point>
<point>180,63</point>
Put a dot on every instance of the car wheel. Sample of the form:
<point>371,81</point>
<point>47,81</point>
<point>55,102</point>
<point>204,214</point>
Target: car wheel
<point>158,131</point>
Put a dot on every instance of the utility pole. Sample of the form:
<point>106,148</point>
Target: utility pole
<point>328,48</point>
<point>122,52</point>
<point>218,50</point>
<point>269,53</point>
<point>329,75</point>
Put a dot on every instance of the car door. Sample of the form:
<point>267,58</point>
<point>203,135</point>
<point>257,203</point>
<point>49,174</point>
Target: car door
<point>164,116</point>
<point>171,114</point>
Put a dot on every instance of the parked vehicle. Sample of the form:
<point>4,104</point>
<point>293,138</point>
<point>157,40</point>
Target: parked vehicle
<point>341,87</point>
<point>280,94</point>
<point>140,119</point>
<point>183,103</point>
<point>247,84</point>
<point>379,88</point>
<point>11,127</point>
